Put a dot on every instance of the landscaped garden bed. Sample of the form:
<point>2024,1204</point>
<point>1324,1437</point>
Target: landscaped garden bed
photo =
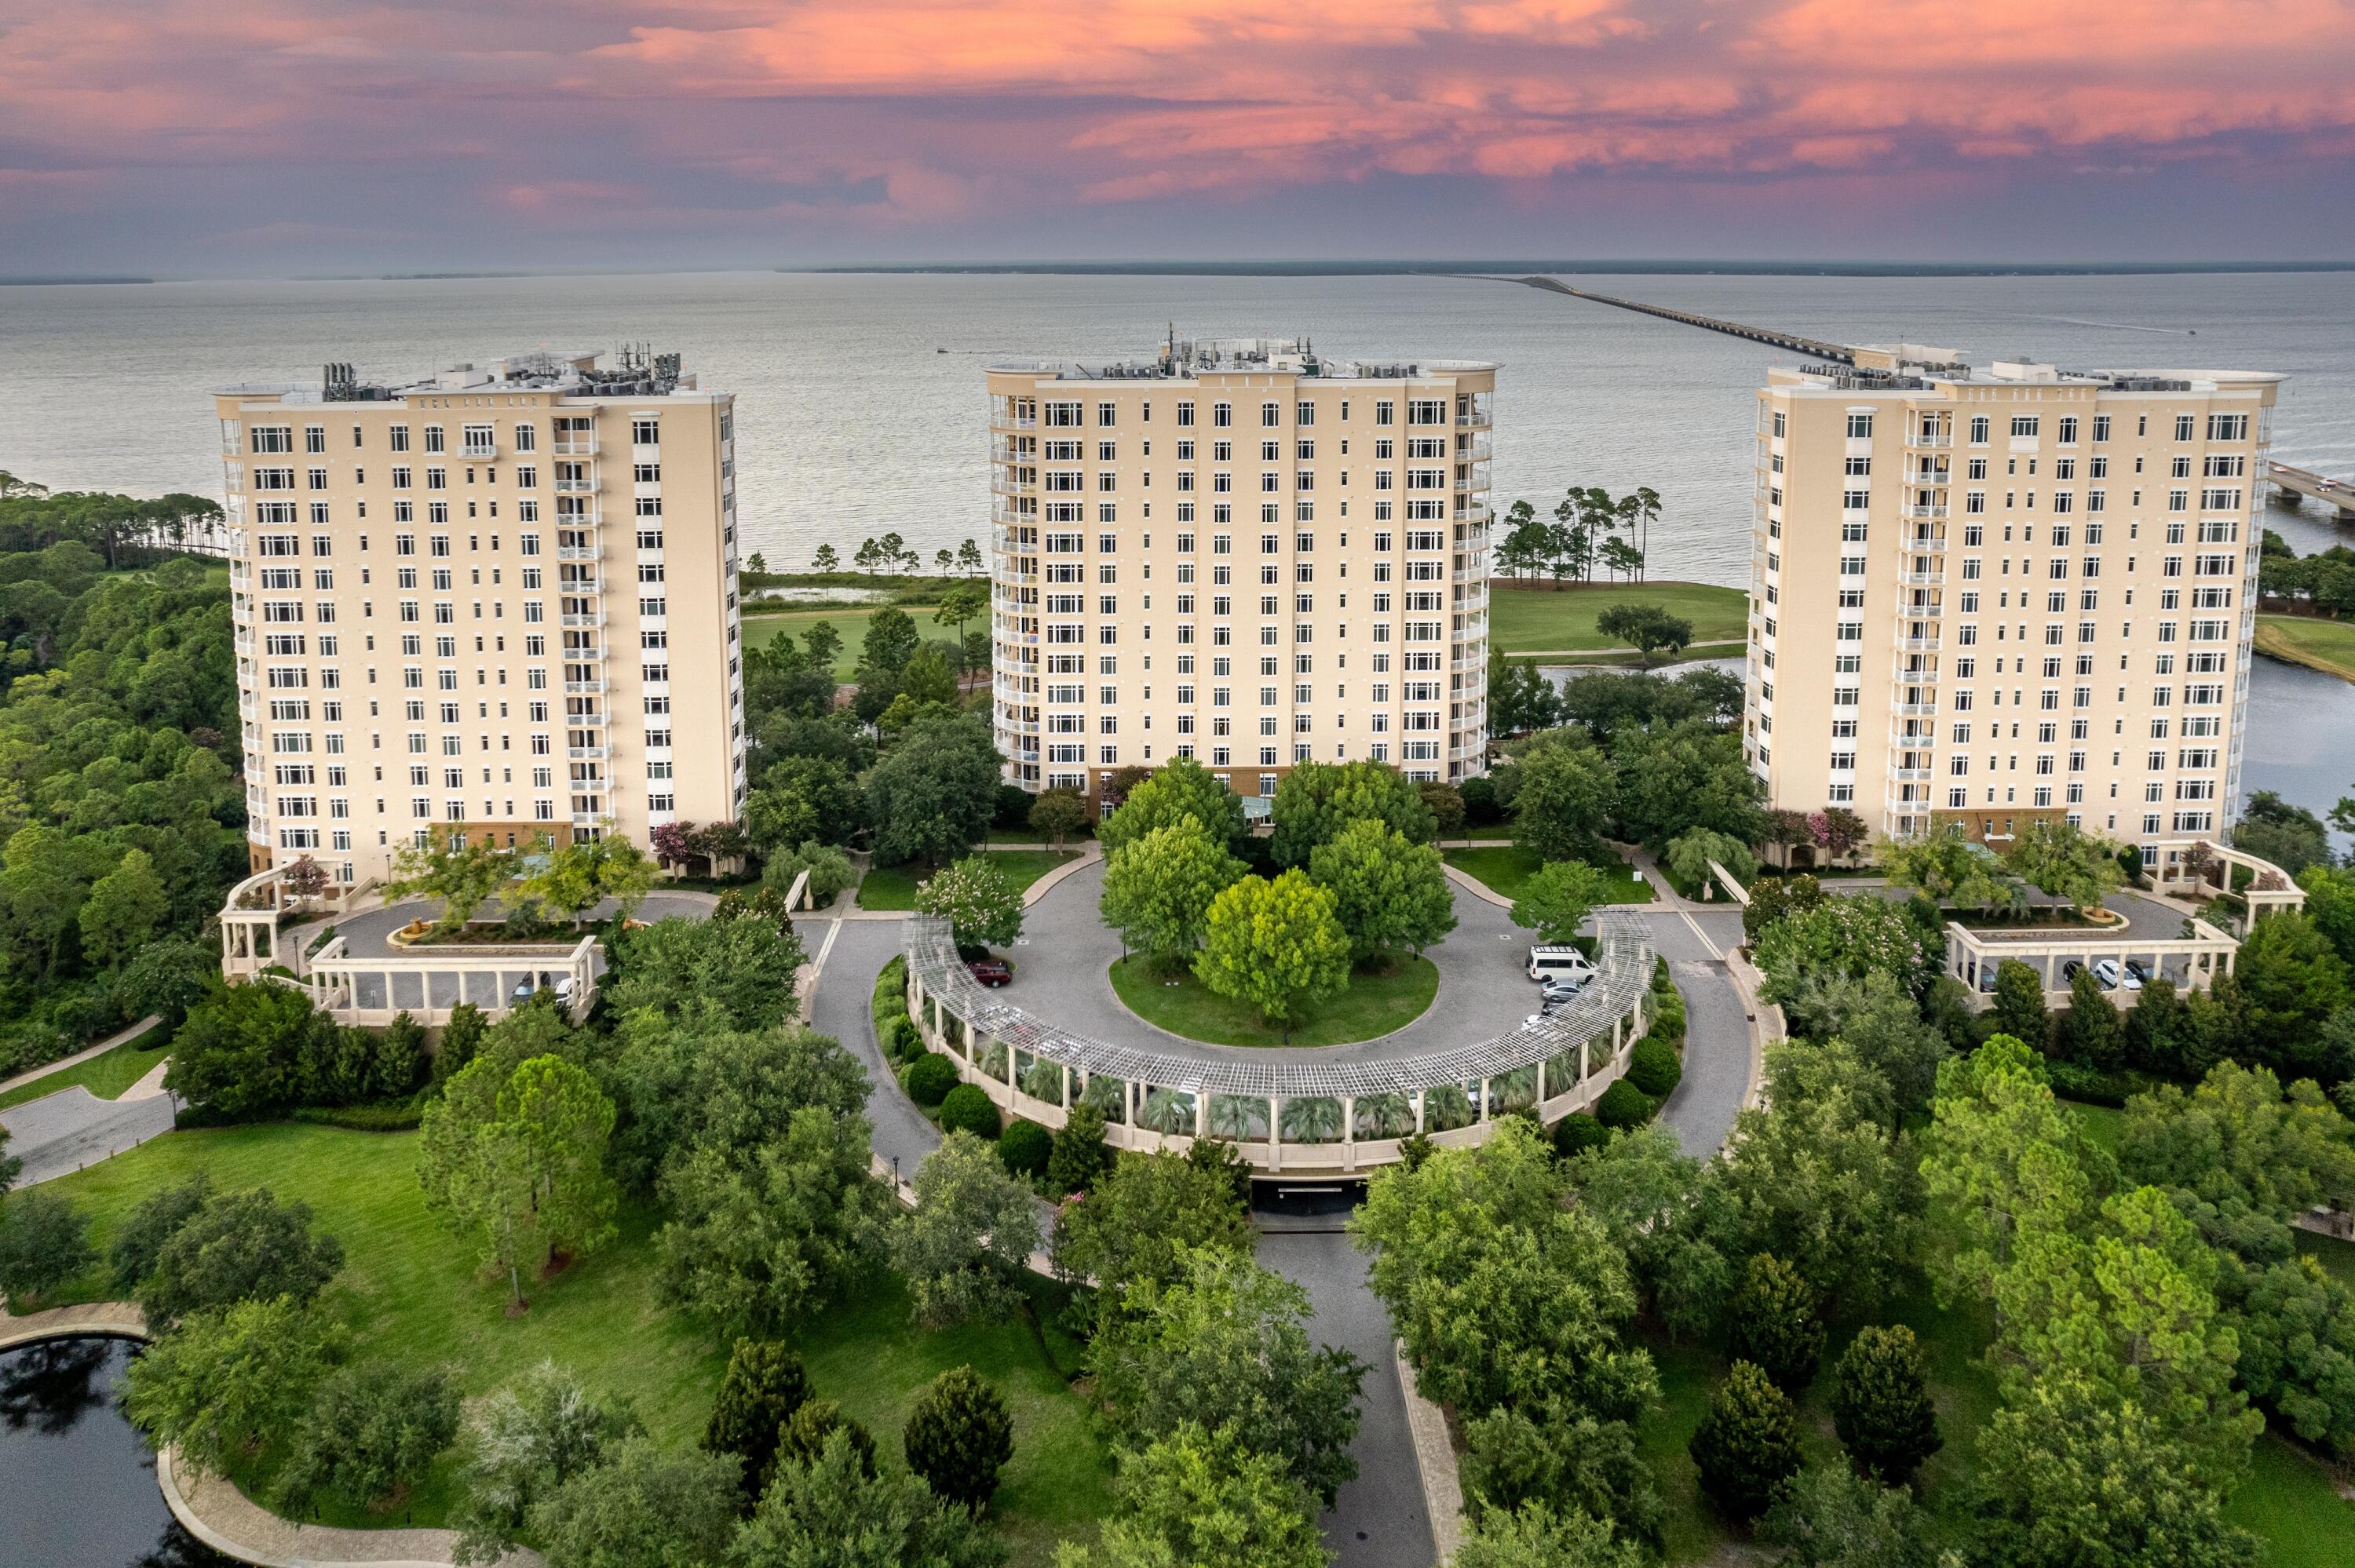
<point>894,886</point>
<point>1380,1000</point>
<point>1504,868</point>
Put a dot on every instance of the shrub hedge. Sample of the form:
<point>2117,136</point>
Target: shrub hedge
<point>1024,1146</point>
<point>931,1077</point>
<point>1653,1068</point>
<point>1624,1105</point>
<point>969,1108</point>
<point>1577,1132</point>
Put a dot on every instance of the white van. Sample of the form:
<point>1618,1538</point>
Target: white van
<point>1559,963</point>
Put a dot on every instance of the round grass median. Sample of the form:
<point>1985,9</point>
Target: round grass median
<point>1378,1001</point>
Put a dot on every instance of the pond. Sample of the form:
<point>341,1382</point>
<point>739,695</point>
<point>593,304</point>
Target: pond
<point>76,1480</point>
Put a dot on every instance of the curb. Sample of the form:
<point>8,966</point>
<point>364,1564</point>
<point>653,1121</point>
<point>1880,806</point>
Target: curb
<point>1434,1458</point>
<point>1046,884</point>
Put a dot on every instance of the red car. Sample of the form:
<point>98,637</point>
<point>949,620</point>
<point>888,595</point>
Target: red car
<point>990,971</point>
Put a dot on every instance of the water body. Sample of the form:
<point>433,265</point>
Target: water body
<point>76,1480</point>
<point>861,408</point>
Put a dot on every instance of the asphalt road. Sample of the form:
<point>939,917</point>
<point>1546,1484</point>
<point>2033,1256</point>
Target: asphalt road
<point>59,1134</point>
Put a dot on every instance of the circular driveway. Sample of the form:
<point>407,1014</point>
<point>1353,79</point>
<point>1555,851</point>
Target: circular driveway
<point>1063,974</point>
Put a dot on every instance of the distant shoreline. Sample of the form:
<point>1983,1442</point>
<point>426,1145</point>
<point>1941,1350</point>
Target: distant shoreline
<point>1328,269</point>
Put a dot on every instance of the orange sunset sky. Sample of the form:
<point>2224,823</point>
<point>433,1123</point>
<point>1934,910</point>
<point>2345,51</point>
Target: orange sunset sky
<point>231,137</point>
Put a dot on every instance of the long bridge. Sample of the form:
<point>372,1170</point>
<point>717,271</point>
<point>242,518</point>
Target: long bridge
<point>1815,348</point>
<point>2293,484</point>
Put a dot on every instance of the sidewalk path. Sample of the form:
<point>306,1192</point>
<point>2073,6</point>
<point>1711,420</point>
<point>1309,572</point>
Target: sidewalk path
<point>84,1055</point>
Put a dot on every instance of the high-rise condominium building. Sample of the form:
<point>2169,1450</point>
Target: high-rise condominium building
<point>1244,553</point>
<point>1990,596</point>
<point>504,596</point>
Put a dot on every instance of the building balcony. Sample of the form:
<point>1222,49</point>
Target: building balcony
<point>1919,644</point>
<point>593,618</point>
<point>1915,710</point>
<point>588,721</point>
<point>472,450</point>
<point>1013,487</point>
<point>583,655</point>
<point>589,753</point>
<point>1918,510</point>
<point>1923,580</point>
<point>1936,479</point>
<point>1930,438</point>
<point>1931,544</point>
<point>585,688</point>
<point>577,485</point>
<point>1909,775</point>
<point>574,446</point>
<point>580,552</point>
<point>1474,421</point>
<point>1010,422</point>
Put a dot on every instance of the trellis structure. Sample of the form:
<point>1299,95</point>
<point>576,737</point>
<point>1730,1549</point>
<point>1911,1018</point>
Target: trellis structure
<point>1292,1112</point>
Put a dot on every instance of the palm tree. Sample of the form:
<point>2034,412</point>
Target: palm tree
<point>1240,1117</point>
<point>1513,1090</point>
<point>1044,1081</point>
<point>1384,1116</point>
<point>1167,1111</point>
<point>1446,1107</point>
<point>1108,1095</point>
<point>1313,1118</point>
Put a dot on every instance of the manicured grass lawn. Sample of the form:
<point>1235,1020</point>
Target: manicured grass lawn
<point>760,631</point>
<point>1374,1004</point>
<point>2288,1500</point>
<point>1550,620</point>
<point>894,886</point>
<point>2325,645</point>
<point>1506,867</point>
<point>106,1074</point>
<point>1490,832</point>
<point>412,1291</point>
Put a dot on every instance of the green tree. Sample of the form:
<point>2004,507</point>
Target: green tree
<point>1537,1537</point>
<point>141,1234</point>
<point>760,1237</point>
<point>1388,893</point>
<point>518,1444</point>
<point>372,1435</point>
<point>1143,1219</point>
<point>1812,1176</point>
<point>960,603</point>
<point>125,908</point>
<point>1564,796</point>
<point>1565,1462</point>
<point>574,878</point>
<point>1690,852</point>
<point>1274,945</point>
<point>1646,628</point>
<point>1180,789</point>
<point>235,1246</point>
<point>2066,861</point>
<point>706,976</point>
<point>461,1038</point>
<point>812,1426</point>
<point>1849,935</point>
<point>891,640</point>
<point>1501,1293</point>
<point>959,1437</point>
<point>2292,981</point>
<point>1081,1158</point>
<point>1772,1323</point>
<point>964,1248</point>
<point>979,901</point>
<point>1556,899</point>
<point>223,1382</point>
<point>1659,1207</point>
<point>44,1241</point>
<point>1747,1444</point>
<point>647,1506</point>
<point>1677,776</point>
<point>764,1385</point>
<point>1201,1497</point>
<point>243,1049</point>
<point>1949,867</point>
<point>1831,1518</point>
<point>1158,887</point>
<point>836,1510</point>
<point>1880,1404</point>
<point>825,559</point>
<point>1057,814</point>
<point>932,796</point>
<point>455,870</point>
<point>2000,1153</point>
<point>1878,1020</point>
<point>518,1161</point>
<point>1227,1347</point>
<point>2018,1009</point>
<point>2091,1033</point>
<point>1317,800</point>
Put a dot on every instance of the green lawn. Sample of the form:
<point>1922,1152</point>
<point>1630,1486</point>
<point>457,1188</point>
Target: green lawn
<point>760,630</point>
<point>2288,1500</point>
<point>1374,1004</point>
<point>1562,620</point>
<point>106,1074</point>
<point>2320,644</point>
<point>1506,867</point>
<point>894,886</point>
<point>412,1291</point>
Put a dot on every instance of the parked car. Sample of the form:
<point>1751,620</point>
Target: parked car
<point>1986,980</point>
<point>560,984</point>
<point>2136,973</point>
<point>2109,977</point>
<point>1561,989</point>
<point>990,971</point>
<point>1559,963</point>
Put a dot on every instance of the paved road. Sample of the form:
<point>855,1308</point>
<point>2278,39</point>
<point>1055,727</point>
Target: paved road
<point>59,1134</point>
<point>1377,1521</point>
<point>1717,1025</point>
